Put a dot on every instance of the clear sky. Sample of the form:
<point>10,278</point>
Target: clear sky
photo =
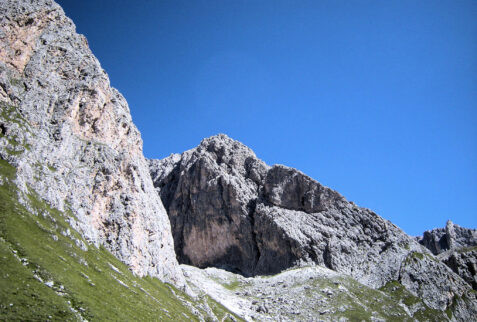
<point>375,99</point>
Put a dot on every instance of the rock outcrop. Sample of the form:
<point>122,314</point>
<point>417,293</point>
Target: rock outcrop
<point>229,209</point>
<point>72,140</point>
<point>456,247</point>
<point>464,263</point>
<point>453,236</point>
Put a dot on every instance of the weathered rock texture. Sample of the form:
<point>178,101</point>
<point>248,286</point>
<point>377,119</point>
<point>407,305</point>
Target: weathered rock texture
<point>229,209</point>
<point>72,140</point>
<point>311,293</point>
<point>453,236</point>
<point>456,247</point>
<point>464,263</point>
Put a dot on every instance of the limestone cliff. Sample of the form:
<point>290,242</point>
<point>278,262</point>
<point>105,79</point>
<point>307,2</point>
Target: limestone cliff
<point>229,209</point>
<point>72,140</point>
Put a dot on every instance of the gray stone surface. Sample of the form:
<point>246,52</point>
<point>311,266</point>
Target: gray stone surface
<point>464,263</point>
<point>456,247</point>
<point>72,140</point>
<point>310,293</point>
<point>228,209</point>
<point>439,240</point>
<point>428,278</point>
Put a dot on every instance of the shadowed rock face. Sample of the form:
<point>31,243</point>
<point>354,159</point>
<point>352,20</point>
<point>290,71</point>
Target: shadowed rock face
<point>229,209</point>
<point>464,263</point>
<point>212,215</point>
<point>72,140</point>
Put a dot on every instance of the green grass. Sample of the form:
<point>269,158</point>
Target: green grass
<point>45,276</point>
<point>467,249</point>
<point>418,255</point>
<point>7,171</point>
<point>399,293</point>
<point>232,285</point>
<point>10,114</point>
<point>354,301</point>
<point>17,82</point>
<point>18,147</point>
<point>361,303</point>
<point>219,310</point>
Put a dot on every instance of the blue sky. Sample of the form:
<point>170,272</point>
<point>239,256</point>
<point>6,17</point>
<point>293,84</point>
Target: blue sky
<point>375,99</point>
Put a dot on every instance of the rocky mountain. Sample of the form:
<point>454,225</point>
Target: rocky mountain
<point>75,187</point>
<point>230,210</point>
<point>453,236</point>
<point>71,138</point>
<point>309,293</point>
<point>91,230</point>
<point>456,247</point>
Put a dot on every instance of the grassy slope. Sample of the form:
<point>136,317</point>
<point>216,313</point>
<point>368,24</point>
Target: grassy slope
<point>45,275</point>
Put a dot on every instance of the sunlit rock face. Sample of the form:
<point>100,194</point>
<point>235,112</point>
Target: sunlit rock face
<point>71,137</point>
<point>229,209</point>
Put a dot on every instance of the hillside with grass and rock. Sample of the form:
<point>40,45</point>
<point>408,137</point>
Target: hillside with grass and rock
<point>90,230</point>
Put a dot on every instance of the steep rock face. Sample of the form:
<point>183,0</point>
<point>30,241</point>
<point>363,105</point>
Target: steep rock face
<point>211,214</point>
<point>72,140</point>
<point>464,263</point>
<point>229,209</point>
<point>426,277</point>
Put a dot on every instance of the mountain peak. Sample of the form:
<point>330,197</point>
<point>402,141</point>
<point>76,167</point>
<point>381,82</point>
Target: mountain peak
<point>221,144</point>
<point>230,210</point>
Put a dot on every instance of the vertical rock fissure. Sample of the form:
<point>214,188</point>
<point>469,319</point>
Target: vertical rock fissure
<point>327,256</point>
<point>252,205</point>
<point>3,129</point>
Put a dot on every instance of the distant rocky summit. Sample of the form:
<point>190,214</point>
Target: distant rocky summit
<point>453,236</point>
<point>456,247</point>
<point>228,209</point>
